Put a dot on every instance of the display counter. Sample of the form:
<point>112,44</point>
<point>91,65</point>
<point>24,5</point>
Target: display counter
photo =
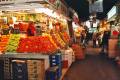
<point>113,49</point>
<point>28,56</point>
<point>12,61</point>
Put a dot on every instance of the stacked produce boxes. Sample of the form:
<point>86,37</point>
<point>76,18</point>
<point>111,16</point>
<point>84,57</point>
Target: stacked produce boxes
<point>51,73</point>
<point>28,70</point>
<point>67,57</point>
<point>78,51</point>
<point>56,60</point>
<point>23,68</point>
<point>19,70</point>
<point>36,70</point>
<point>7,68</point>
<point>1,69</point>
<point>112,48</point>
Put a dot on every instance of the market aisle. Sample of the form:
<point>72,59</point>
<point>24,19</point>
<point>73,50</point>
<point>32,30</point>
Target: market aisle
<point>92,51</point>
<point>94,67</point>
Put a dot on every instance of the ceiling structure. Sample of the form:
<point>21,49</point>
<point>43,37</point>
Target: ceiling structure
<point>82,8</point>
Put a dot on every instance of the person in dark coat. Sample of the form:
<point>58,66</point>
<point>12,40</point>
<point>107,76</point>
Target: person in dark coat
<point>31,31</point>
<point>105,41</point>
<point>95,39</point>
<point>83,37</point>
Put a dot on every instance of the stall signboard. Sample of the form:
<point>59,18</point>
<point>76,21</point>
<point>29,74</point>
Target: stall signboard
<point>97,6</point>
<point>17,1</point>
<point>112,13</point>
<point>57,4</point>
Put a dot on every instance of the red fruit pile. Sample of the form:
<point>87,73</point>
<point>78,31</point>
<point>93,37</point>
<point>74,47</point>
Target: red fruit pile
<point>41,44</point>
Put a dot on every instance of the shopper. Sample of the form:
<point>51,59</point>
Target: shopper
<point>81,29</point>
<point>99,39</point>
<point>94,38</point>
<point>31,31</point>
<point>83,37</point>
<point>105,40</point>
<point>87,35</point>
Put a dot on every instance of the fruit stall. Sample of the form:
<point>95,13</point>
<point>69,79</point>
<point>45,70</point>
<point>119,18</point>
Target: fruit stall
<point>34,40</point>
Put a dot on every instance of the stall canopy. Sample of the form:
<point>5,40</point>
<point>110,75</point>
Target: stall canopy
<point>53,8</point>
<point>112,13</point>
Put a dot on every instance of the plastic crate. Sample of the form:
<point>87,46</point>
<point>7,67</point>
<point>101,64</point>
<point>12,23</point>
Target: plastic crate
<point>1,70</point>
<point>19,70</point>
<point>36,69</point>
<point>51,73</point>
<point>55,59</point>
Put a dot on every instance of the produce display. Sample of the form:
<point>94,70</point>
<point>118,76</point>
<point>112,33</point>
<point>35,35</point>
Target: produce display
<point>4,26</point>
<point>3,42</point>
<point>65,36</point>
<point>33,43</point>
<point>30,34</point>
<point>37,44</point>
<point>22,26</point>
<point>13,43</point>
<point>58,40</point>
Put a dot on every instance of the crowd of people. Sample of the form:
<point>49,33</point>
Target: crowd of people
<point>99,38</point>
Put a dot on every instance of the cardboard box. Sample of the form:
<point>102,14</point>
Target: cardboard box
<point>36,69</point>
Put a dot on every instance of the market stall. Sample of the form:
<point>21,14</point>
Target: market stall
<point>113,18</point>
<point>77,30</point>
<point>33,34</point>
